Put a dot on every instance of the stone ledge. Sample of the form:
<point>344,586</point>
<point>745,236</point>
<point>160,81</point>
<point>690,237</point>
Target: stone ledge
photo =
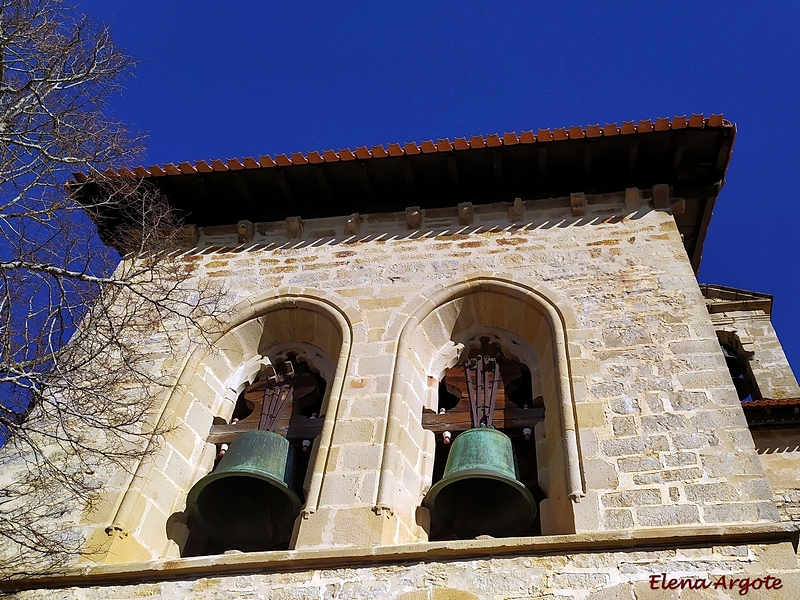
<point>331,558</point>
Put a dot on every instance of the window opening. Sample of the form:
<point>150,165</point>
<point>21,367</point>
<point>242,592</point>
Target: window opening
<point>484,476</point>
<point>251,498</point>
<point>742,375</point>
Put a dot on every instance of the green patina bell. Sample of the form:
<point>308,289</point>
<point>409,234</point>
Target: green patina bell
<point>480,493</point>
<point>248,502</point>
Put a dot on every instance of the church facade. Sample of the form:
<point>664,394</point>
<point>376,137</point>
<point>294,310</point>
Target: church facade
<point>488,370</point>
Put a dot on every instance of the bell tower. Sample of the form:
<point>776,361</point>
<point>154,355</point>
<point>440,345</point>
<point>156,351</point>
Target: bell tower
<point>461,368</point>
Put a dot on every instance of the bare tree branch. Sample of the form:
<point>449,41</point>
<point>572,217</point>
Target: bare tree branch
<point>78,390</point>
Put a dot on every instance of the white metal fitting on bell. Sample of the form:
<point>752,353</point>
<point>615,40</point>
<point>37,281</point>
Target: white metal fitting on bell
<point>306,445</point>
<point>527,431</point>
<point>446,437</point>
<point>222,450</point>
<point>442,411</point>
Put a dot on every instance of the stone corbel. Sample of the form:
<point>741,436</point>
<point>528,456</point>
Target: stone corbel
<point>661,196</point>
<point>245,231</point>
<point>294,227</point>
<point>516,212</point>
<point>633,198</point>
<point>189,236</point>
<point>466,213</point>
<point>577,202</point>
<point>414,217</point>
<point>353,224</point>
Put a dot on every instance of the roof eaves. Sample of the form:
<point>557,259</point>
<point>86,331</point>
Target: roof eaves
<point>695,121</point>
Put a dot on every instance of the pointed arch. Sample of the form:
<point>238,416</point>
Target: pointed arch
<point>434,324</point>
<point>211,378</point>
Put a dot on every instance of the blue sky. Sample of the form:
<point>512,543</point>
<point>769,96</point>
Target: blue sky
<point>223,80</point>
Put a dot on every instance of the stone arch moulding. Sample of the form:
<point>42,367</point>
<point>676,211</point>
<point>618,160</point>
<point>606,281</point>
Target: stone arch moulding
<point>256,325</point>
<point>443,308</point>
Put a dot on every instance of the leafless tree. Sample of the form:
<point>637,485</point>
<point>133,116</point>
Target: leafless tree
<point>76,389</point>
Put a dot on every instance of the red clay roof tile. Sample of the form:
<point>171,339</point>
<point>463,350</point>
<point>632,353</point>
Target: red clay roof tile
<point>662,124</point>
<point>395,150</point>
<point>266,161</point>
<point>593,131</point>
<point>493,140</point>
<point>477,141</point>
<point>411,148</point>
<point>772,402</point>
<point>299,159</point>
<point>442,145</point>
<point>527,137</point>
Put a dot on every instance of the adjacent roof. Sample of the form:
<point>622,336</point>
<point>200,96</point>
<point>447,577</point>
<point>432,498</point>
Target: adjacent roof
<point>690,154</point>
<point>772,413</point>
<point>720,298</point>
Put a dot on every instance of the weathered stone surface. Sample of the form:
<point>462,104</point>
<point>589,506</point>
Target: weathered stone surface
<point>641,421</point>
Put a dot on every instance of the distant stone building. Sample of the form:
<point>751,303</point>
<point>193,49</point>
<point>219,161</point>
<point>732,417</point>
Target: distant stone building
<point>389,301</point>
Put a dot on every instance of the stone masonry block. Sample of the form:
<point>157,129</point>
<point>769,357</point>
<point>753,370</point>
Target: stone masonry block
<point>724,464</point>
<point>591,414</point>
<point>739,513</point>
<point>600,475</point>
<point>618,519</point>
<point>693,441</point>
<point>637,464</point>
<point>675,514</point>
<point>663,423</point>
<point>705,493</point>
<point>624,426</point>
<point>624,447</point>
<point>632,498</point>
<point>680,459</point>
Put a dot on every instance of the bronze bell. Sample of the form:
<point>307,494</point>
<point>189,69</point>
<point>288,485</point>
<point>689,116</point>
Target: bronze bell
<point>480,493</point>
<point>248,501</point>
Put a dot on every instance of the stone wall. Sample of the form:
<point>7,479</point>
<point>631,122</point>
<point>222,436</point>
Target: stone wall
<point>766,571</point>
<point>779,451</point>
<point>643,428</point>
<point>753,330</point>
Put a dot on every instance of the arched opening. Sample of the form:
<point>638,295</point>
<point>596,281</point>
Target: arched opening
<point>737,359</point>
<point>267,435</point>
<point>486,388</point>
<point>529,333</point>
